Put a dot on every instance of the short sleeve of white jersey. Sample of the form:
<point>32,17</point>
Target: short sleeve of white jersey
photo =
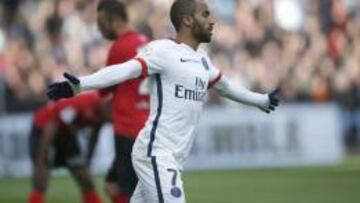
<point>152,56</point>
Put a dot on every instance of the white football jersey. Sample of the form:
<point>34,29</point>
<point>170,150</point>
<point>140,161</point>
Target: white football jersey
<point>179,77</point>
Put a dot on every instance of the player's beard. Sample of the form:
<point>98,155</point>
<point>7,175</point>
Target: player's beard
<point>110,35</point>
<point>107,32</point>
<point>105,29</point>
<point>200,33</point>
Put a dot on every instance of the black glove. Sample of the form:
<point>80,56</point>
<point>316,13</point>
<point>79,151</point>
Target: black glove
<point>64,89</point>
<point>273,100</point>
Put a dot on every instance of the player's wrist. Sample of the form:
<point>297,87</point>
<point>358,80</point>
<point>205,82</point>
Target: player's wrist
<point>65,89</point>
<point>74,83</point>
<point>75,88</point>
<point>271,101</point>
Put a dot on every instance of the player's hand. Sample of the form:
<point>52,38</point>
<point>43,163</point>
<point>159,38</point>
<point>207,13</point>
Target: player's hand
<point>273,101</point>
<point>64,89</point>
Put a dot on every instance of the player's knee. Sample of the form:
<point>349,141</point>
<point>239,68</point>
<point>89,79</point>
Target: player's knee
<point>87,184</point>
<point>84,180</point>
<point>111,189</point>
<point>40,187</point>
<point>39,182</point>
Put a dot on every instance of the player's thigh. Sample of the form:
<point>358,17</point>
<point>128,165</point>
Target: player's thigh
<point>73,154</point>
<point>111,175</point>
<point>160,179</point>
<point>139,195</point>
<point>127,178</point>
<point>122,172</point>
<point>34,143</point>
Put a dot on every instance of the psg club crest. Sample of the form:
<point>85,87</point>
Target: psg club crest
<point>176,192</point>
<point>205,64</point>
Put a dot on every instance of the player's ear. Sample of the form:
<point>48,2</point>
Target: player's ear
<point>187,20</point>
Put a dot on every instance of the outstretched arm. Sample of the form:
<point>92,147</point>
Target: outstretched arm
<point>111,75</point>
<point>103,78</point>
<point>266,102</point>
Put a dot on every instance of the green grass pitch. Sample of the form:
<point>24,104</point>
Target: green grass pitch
<point>336,184</point>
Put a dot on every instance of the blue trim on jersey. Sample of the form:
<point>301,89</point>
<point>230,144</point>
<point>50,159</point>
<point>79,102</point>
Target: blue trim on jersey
<point>157,179</point>
<point>156,120</point>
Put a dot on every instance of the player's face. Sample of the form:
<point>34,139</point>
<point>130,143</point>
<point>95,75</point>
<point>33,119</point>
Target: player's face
<point>203,24</point>
<point>105,24</point>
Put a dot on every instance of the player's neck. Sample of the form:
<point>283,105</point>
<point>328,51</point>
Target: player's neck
<point>190,41</point>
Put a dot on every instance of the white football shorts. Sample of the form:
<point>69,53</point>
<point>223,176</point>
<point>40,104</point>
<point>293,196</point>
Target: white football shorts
<point>159,180</point>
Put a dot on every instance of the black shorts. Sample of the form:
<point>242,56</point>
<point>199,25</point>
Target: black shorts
<point>122,171</point>
<point>64,152</point>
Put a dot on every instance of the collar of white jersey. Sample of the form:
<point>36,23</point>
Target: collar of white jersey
<point>183,44</point>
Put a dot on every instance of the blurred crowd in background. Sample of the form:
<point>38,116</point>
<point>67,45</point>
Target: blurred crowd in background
<point>311,48</point>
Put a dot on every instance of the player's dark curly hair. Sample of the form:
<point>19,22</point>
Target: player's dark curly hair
<point>180,8</point>
<point>114,8</point>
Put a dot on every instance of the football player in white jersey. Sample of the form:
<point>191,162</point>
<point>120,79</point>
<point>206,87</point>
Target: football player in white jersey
<point>179,76</point>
